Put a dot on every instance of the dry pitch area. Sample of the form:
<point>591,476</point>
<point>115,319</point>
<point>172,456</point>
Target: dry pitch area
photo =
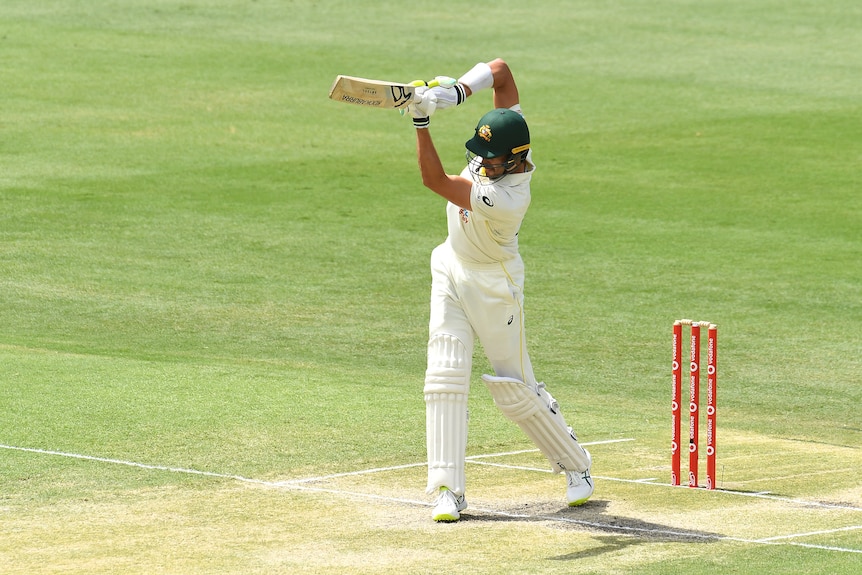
<point>377,520</point>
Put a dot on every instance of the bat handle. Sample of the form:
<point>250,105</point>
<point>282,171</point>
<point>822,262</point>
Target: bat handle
<point>444,81</point>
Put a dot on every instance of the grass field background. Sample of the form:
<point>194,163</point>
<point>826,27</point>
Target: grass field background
<point>214,283</point>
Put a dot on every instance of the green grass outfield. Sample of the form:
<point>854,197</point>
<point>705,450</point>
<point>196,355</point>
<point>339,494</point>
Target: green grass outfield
<point>214,283</point>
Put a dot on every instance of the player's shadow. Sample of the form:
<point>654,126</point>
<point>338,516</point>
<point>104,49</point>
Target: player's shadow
<point>615,532</point>
<point>609,543</point>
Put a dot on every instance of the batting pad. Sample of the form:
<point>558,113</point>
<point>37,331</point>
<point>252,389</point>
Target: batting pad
<point>537,413</point>
<point>447,384</point>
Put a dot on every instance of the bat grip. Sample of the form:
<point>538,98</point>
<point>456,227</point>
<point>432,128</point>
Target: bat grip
<point>444,81</point>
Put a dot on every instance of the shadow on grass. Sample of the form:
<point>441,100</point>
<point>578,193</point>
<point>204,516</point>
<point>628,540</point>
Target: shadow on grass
<point>609,543</point>
<point>593,517</point>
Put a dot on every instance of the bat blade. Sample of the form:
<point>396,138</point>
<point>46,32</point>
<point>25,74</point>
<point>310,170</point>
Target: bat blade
<point>371,93</point>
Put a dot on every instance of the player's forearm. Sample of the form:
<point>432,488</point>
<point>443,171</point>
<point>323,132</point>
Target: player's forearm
<point>430,166</point>
<point>434,176</point>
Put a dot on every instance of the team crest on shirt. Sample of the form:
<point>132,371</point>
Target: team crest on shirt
<point>465,215</point>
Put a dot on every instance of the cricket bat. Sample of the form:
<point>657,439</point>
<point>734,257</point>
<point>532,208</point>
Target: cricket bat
<point>375,93</point>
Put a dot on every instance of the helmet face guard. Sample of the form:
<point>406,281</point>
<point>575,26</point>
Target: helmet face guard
<point>480,166</point>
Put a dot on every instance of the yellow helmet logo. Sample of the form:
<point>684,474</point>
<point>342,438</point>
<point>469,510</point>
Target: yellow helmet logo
<point>485,132</point>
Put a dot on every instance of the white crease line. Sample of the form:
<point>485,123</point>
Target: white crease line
<point>823,547</point>
<point>759,495</point>
<point>298,484</point>
<point>141,465</point>
<point>504,466</point>
<point>810,533</point>
<point>470,459</point>
<point>798,475</point>
<point>347,474</point>
<point>473,459</point>
<point>505,453</point>
<point>358,495</point>
<point>628,530</point>
<point>606,441</point>
<point>802,502</point>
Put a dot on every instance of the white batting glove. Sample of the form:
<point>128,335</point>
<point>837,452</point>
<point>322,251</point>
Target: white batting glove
<point>448,93</point>
<point>424,101</point>
<point>424,104</point>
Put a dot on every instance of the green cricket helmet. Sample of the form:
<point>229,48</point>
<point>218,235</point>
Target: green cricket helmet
<point>500,132</point>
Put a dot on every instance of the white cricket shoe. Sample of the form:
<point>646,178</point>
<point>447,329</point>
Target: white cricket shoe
<point>580,486</point>
<point>448,506</point>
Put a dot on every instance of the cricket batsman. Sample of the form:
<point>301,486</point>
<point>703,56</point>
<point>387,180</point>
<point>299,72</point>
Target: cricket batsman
<point>477,290</point>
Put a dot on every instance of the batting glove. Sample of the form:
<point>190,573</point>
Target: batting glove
<point>448,92</point>
<point>423,105</point>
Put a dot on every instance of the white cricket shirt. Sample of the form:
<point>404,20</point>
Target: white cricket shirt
<point>489,232</point>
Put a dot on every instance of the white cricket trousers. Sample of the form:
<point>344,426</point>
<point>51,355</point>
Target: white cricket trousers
<point>484,301</point>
